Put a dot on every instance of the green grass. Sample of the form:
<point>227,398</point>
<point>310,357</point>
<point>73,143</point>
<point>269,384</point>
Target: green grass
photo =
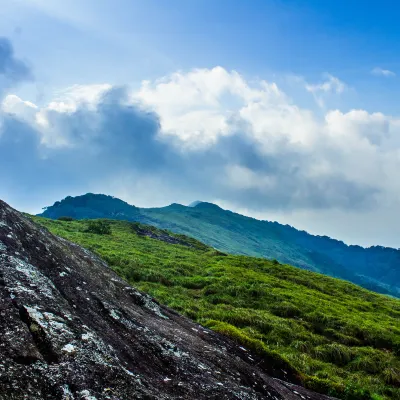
<point>333,336</point>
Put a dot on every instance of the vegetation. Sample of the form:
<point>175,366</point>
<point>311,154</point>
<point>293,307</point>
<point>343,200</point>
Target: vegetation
<point>98,227</point>
<point>375,268</point>
<point>336,337</point>
<point>65,218</point>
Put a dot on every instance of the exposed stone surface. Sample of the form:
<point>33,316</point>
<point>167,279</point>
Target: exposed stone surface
<point>71,329</point>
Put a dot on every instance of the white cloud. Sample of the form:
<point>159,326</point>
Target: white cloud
<point>203,105</point>
<point>198,106</point>
<point>82,94</point>
<point>382,72</point>
<point>14,105</point>
<point>243,142</point>
<point>332,85</point>
<point>65,101</point>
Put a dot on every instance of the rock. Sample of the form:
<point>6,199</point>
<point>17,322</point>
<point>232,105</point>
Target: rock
<point>71,329</point>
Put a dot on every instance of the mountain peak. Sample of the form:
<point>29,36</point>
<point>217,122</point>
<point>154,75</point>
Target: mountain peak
<point>204,205</point>
<point>195,203</point>
<point>91,205</point>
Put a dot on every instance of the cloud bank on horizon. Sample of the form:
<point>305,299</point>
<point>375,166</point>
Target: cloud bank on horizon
<point>204,133</point>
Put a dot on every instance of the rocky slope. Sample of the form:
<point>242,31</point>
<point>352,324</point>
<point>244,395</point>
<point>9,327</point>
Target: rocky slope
<point>72,329</point>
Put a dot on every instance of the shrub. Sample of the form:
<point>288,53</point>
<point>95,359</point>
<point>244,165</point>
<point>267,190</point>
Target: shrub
<point>99,227</point>
<point>65,218</point>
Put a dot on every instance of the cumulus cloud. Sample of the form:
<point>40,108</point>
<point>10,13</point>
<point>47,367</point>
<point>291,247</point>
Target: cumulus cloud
<point>199,106</point>
<point>205,133</point>
<point>382,72</point>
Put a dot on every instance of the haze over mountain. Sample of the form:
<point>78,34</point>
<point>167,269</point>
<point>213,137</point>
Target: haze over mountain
<point>376,268</point>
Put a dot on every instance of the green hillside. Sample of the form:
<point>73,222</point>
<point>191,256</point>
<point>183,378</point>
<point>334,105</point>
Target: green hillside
<point>336,337</point>
<point>375,268</point>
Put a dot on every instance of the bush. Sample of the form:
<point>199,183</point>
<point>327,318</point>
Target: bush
<point>65,218</point>
<point>99,228</point>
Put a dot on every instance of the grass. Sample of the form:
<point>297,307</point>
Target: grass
<point>333,336</point>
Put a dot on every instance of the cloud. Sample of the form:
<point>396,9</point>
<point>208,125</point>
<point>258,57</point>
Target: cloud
<point>206,133</point>
<point>12,70</point>
<point>198,106</point>
<point>264,153</point>
<point>332,85</point>
<point>382,72</point>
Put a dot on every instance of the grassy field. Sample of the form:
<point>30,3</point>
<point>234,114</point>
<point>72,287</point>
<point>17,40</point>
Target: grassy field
<point>338,338</point>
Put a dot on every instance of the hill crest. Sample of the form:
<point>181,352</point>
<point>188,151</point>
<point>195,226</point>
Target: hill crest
<point>376,268</point>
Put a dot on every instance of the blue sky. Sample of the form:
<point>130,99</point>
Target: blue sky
<point>127,41</point>
<point>283,110</point>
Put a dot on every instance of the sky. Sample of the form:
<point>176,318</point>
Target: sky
<point>280,110</point>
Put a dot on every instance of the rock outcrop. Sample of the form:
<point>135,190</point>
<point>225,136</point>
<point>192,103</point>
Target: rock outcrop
<point>70,328</point>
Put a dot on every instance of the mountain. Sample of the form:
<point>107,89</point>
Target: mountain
<point>70,328</point>
<point>376,268</point>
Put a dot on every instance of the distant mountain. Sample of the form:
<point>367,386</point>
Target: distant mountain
<point>376,268</point>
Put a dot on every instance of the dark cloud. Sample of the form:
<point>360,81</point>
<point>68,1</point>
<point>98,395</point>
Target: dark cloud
<point>12,70</point>
<point>118,139</point>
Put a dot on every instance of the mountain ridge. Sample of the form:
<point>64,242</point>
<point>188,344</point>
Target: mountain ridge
<point>376,267</point>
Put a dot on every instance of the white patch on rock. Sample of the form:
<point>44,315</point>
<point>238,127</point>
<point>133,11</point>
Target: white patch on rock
<point>27,275</point>
<point>87,336</point>
<point>53,325</point>
<point>114,315</point>
<point>69,348</point>
<point>85,395</point>
<point>169,348</point>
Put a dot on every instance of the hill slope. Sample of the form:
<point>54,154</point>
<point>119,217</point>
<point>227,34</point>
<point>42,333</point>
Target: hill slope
<point>343,340</point>
<point>376,268</point>
<point>70,328</point>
